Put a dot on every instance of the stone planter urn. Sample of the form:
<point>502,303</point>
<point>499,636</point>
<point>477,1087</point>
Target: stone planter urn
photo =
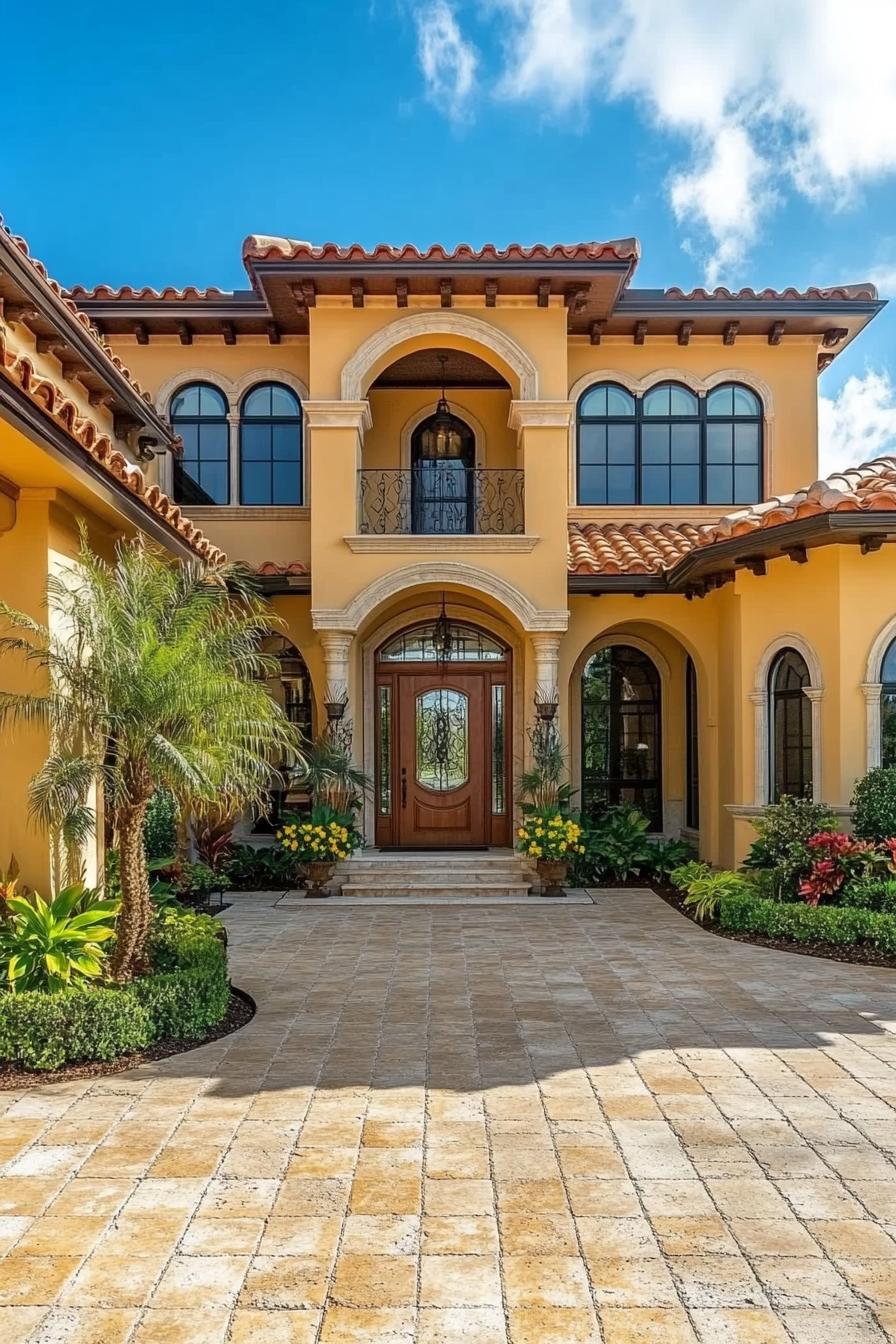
<point>553,874</point>
<point>317,875</point>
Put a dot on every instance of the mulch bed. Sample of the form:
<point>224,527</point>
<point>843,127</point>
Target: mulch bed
<point>861,954</point>
<point>240,1012</point>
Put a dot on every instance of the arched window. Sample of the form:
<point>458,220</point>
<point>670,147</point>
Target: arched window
<point>443,462</point>
<point>733,445</point>
<point>692,732</point>
<point>198,413</point>
<point>791,726</point>
<point>621,732</point>
<point>669,446</point>
<point>270,446</point>
<point>888,707</point>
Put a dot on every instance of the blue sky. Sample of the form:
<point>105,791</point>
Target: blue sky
<point>151,139</point>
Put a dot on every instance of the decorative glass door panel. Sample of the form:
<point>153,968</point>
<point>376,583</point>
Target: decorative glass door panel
<point>443,739</point>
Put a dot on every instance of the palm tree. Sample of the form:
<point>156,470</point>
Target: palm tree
<point>153,677</point>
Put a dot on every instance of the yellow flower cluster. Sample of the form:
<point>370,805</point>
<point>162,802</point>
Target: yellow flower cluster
<point>553,837</point>
<point>310,843</point>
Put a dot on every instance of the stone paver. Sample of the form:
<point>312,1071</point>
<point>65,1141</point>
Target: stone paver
<point>499,1125</point>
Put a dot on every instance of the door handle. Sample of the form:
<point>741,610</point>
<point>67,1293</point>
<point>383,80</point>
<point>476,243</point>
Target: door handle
<point>404,786</point>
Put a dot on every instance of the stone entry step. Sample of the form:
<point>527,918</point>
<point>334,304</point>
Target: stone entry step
<point>435,875</point>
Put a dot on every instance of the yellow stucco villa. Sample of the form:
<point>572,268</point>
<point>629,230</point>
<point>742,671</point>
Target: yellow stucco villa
<point>602,493</point>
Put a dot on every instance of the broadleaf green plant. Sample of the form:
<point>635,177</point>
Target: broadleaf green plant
<point>48,945</point>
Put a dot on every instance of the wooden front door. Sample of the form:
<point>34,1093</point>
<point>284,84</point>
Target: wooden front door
<point>443,735</point>
<point>441,758</point>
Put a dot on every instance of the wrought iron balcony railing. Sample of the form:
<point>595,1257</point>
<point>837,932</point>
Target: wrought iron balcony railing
<point>440,498</point>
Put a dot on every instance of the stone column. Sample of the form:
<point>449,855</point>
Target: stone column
<point>546,648</point>
<point>872,693</point>
<point>814,695</point>
<point>761,757</point>
<point>542,429</point>
<point>336,645</point>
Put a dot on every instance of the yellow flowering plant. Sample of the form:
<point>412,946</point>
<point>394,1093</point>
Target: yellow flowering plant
<point>324,837</point>
<point>549,834</point>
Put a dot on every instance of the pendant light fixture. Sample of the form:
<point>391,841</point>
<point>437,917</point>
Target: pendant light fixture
<point>441,439</point>
<point>442,638</point>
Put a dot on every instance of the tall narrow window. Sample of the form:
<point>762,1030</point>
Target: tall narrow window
<point>733,445</point>
<point>198,413</point>
<point>270,446</point>
<point>607,446</point>
<point>499,772</point>
<point>692,800</point>
<point>384,782</point>
<point>888,707</point>
<point>621,733</point>
<point>791,726</point>
<point>669,446</point>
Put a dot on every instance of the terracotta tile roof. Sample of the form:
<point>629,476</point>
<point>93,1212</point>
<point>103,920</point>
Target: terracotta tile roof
<point>64,297</point>
<point>170,294</point>
<point>18,369</point>
<point>270,569</point>
<point>260,247</point>
<point>841,292</point>
<point>629,548</point>
<point>655,548</point>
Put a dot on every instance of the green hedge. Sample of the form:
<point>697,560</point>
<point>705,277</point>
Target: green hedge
<point>187,994</point>
<point>845,925</point>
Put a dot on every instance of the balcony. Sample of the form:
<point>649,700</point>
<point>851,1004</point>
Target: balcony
<point>440,499</point>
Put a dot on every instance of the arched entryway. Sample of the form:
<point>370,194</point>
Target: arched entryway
<point>442,733</point>
<point>621,732</point>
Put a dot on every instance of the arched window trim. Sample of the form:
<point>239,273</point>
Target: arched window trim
<point>222,420</point>
<point>297,420</point>
<point>639,390</point>
<point>762,715</point>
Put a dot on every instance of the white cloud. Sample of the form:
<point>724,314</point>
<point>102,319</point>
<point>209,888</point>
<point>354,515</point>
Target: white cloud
<point>858,423</point>
<point>885,279</point>
<point>770,95</point>
<point>447,59</point>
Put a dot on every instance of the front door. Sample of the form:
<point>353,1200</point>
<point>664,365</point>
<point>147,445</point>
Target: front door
<point>441,759</point>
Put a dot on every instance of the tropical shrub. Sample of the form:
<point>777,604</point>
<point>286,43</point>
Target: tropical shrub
<point>213,831</point>
<point>160,825</point>
<point>548,834</point>
<point>545,785</point>
<point>667,855</point>
<point>156,679</point>
<point>47,945</point>
<point>874,805</point>
<point>329,774</point>
<point>185,996</point>
<point>261,868</point>
<point>618,844</point>
<point>703,889</point>
<point>870,893</point>
<point>784,831</point>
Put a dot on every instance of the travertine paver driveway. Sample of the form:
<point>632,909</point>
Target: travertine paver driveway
<point>468,1124</point>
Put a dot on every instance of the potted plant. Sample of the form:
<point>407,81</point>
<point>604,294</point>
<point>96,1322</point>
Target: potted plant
<point>551,838</point>
<point>317,845</point>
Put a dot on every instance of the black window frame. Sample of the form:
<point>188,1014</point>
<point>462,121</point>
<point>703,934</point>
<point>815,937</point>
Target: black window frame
<point>272,420</point>
<point>616,782</point>
<point>782,702</point>
<point>887,710</point>
<point>194,493</point>
<point>702,419</point>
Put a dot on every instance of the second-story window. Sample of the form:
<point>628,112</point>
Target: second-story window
<point>270,446</point>
<point>198,414</point>
<point>669,446</point>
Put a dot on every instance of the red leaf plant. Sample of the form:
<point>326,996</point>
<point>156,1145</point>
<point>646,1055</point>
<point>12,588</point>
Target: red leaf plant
<point>835,857</point>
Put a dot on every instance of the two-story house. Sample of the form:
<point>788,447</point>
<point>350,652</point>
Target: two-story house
<point>479,484</point>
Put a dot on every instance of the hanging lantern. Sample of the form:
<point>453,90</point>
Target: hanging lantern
<point>441,439</point>
<point>442,638</point>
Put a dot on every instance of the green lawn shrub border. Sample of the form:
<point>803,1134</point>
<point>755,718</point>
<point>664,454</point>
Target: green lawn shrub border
<point>845,926</point>
<point>186,995</point>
